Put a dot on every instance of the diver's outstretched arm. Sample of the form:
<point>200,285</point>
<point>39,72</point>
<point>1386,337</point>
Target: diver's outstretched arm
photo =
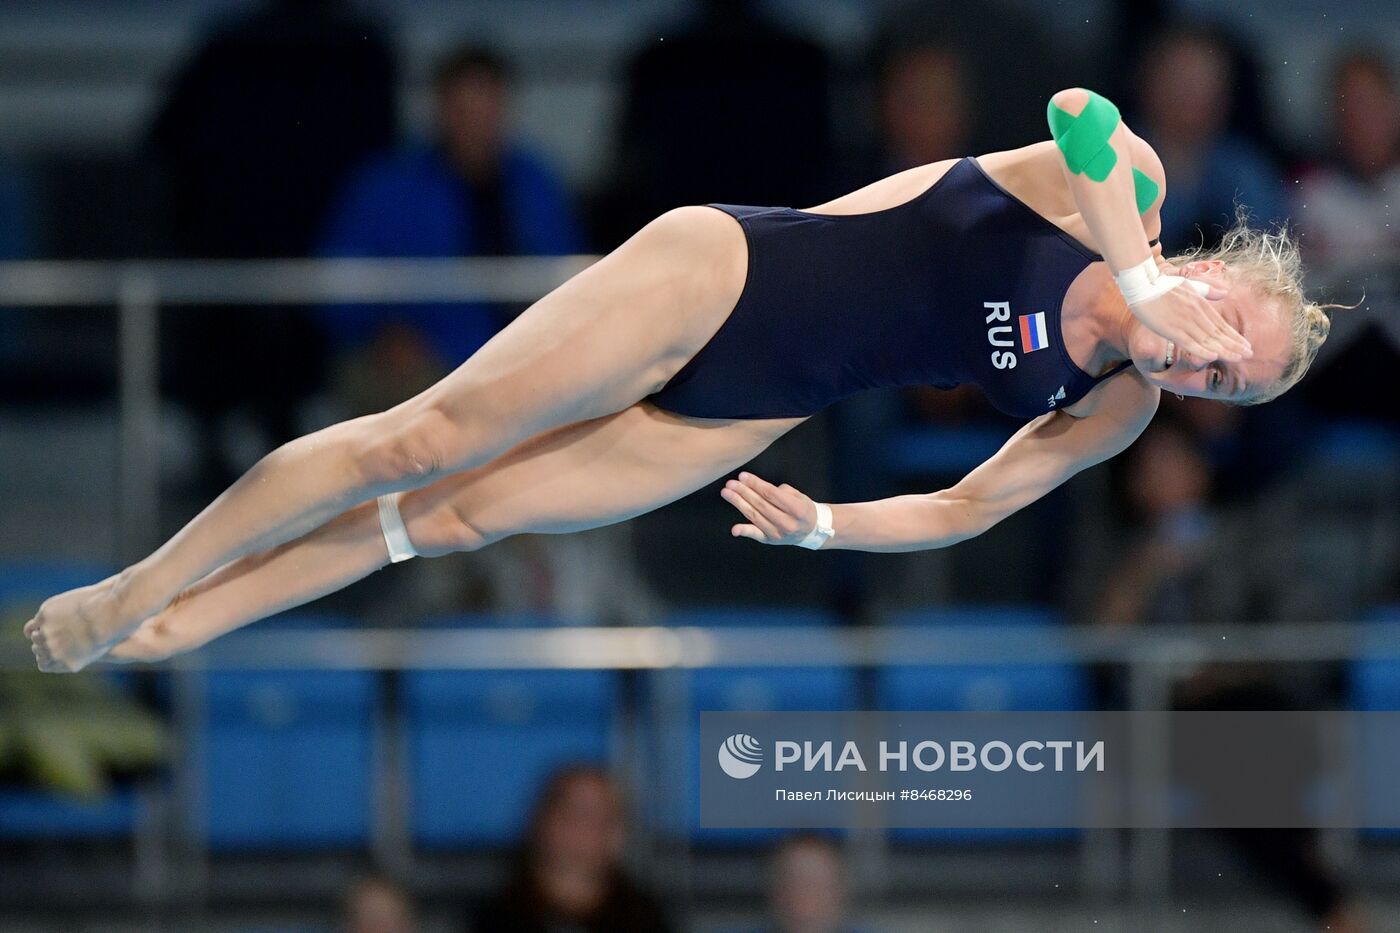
<point>1035,460</point>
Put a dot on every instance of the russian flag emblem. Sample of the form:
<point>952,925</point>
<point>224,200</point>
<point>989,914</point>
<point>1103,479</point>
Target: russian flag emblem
<point>1033,333</point>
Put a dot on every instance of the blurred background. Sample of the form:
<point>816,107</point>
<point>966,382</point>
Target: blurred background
<point>505,741</point>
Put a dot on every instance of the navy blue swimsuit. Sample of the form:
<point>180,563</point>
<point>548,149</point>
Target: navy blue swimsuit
<point>963,284</point>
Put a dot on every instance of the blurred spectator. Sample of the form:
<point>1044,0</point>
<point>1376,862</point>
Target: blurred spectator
<point>569,877</point>
<point>16,230</point>
<point>1161,578</point>
<point>925,114</point>
<point>1185,98</point>
<point>1011,64</point>
<point>1184,567</point>
<point>16,237</point>
<point>726,107</point>
<point>471,191</point>
<point>265,119</point>
<point>1249,448</point>
<point>1365,354</point>
<point>1126,31</point>
<point>378,904</point>
<point>1345,205</point>
<point>1187,558</point>
<point>807,887</point>
<point>258,131</point>
<point>1131,28</point>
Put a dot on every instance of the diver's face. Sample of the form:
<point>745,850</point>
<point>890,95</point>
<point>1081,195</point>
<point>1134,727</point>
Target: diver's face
<point>1174,370</point>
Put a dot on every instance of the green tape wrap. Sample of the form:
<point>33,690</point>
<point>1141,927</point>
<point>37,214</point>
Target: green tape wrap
<point>1084,139</point>
<point>1145,190</point>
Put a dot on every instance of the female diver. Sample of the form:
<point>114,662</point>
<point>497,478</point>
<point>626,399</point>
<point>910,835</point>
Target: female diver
<point>717,328</point>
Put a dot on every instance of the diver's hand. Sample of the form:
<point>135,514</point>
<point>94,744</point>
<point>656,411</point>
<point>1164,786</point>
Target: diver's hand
<point>1182,310</point>
<point>774,514</point>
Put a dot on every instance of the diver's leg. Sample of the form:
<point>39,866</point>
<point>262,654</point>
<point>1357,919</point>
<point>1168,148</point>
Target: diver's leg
<point>600,342</point>
<point>577,477</point>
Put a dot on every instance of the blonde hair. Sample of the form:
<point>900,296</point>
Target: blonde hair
<point>1269,262</point>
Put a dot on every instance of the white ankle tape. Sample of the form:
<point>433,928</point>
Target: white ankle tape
<point>395,534</point>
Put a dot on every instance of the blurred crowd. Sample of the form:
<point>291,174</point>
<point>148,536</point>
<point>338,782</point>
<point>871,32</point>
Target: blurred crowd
<point>569,875</point>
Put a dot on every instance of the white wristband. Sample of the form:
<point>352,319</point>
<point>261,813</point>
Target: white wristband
<point>395,533</point>
<point>1145,281</point>
<point>822,532</point>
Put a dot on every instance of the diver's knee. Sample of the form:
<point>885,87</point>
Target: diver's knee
<point>444,529</point>
<point>412,449</point>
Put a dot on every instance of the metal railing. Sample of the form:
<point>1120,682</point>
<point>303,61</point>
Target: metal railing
<point>138,290</point>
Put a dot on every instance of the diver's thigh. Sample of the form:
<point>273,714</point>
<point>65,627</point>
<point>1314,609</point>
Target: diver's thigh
<point>608,337</point>
<point>591,474</point>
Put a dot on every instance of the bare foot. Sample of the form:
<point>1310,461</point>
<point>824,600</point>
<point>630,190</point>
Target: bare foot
<point>74,629</point>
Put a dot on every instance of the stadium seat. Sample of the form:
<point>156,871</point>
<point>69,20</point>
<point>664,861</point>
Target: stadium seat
<point>747,689</point>
<point>1357,447</point>
<point>287,756</point>
<point>25,584</point>
<point>1375,674</point>
<point>917,452</point>
<point>1375,686</point>
<point>482,743</point>
<point>26,814</point>
<point>1041,686</point>
<point>35,814</point>
<point>976,687</point>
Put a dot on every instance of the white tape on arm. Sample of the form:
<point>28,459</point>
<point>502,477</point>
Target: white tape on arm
<point>395,533</point>
<point>822,531</point>
<point>1145,281</point>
